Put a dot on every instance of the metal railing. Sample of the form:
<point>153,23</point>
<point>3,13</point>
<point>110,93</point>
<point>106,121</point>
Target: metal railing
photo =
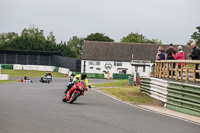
<point>170,69</point>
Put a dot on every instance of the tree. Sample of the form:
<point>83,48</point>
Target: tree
<point>139,38</point>
<point>98,37</point>
<point>33,39</point>
<point>65,50</point>
<point>76,45</point>
<point>196,37</point>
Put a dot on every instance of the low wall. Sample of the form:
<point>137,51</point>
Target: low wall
<point>176,96</point>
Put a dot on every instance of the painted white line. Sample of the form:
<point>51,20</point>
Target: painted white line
<point>146,108</point>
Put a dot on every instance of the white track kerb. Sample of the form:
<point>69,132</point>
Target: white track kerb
<point>136,106</point>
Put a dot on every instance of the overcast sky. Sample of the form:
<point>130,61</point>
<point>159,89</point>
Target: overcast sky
<point>172,21</point>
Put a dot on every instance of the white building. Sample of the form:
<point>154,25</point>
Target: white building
<point>101,57</point>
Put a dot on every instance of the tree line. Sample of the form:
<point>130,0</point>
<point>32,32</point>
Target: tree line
<point>33,39</point>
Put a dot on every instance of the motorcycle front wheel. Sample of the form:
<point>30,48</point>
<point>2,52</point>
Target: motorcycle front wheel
<point>63,99</point>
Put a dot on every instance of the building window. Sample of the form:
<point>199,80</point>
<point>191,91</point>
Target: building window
<point>94,62</point>
<point>116,63</point>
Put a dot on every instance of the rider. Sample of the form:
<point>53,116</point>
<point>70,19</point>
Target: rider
<point>78,78</point>
<point>48,73</point>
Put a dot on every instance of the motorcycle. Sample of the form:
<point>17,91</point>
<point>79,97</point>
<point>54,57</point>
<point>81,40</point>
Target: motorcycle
<point>47,79</point>
<point>76,91</point>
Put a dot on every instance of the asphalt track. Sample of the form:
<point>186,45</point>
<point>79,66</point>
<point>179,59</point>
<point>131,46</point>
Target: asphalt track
<point>37,108</point>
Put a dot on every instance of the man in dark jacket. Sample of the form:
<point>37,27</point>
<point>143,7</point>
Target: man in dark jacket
<point>195,56</point>
<point>169,56</point>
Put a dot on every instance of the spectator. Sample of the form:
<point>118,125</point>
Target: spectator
<point>169,55</point>
<point>169,51</point>
<point>195,56</point>
<point>161,55</point>
<point>179,56</point>
<point>162,49</point>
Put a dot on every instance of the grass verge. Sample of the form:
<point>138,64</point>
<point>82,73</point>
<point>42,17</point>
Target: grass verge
<point>8,81</point>
<point>124,92</point>
<point>22,73</point>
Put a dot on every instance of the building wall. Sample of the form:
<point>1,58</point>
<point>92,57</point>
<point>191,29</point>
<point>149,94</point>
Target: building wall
<point>101,68</point>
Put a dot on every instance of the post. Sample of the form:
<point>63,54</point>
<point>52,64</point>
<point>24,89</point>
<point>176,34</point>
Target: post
<point>194,72</point>
<point>156,64</point>
<point>164,71</point>
<point>160,72</point>
<point>172,65</point>
<point>187,70</point>
<point>176,70</point>
<point>168,70</point>
<point>181,76</point>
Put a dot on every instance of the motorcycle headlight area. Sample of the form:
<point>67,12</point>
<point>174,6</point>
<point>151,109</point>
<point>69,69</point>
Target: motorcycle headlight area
<point>81,88</point>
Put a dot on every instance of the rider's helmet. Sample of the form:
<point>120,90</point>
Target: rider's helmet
<point>83,75</point>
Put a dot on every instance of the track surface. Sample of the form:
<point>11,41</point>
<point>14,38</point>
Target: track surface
<point>37,108</point>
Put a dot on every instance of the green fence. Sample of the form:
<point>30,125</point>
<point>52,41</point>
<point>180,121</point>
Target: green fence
<point>6,66</point>
<point>92,75</point>
<point>120,76</point>
<point>184,98</point>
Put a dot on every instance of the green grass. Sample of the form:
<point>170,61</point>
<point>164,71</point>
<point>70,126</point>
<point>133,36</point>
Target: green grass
<point>123,91</point>
<point>22,73</point>
<point>8,81</point>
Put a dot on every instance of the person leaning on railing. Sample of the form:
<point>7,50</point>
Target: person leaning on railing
<point>161,55</point>
<point>195,55</point>
<point>179,56</point>
<point>169,55</point>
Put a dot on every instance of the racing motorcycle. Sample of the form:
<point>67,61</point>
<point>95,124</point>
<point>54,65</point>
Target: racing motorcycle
<point>47,79</point>
<point>76,91</point>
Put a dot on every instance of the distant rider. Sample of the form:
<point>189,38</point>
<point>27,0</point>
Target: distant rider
<point>77,79</point>
<point>48,74</point>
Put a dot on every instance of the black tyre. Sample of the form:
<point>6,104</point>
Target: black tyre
<point>63,99</point>
<point>73,97</point>
<point>48,81</point>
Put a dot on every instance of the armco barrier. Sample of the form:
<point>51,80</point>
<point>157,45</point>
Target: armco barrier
<point>176,96</point>
<point>145,85</point>
<point>158,89</point>
<point>17,67</point>
<point>183,98</point>
<point>154,87</point>
<point>63,70</point>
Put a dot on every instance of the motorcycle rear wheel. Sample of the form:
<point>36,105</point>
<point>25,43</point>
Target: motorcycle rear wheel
<point>73,97</point>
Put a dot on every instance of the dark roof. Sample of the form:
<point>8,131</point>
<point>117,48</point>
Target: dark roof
<point>113,51</point>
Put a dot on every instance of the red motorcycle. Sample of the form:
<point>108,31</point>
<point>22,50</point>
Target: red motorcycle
<point>76,91</point>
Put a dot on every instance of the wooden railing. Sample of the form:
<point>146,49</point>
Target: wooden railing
<point>169,69</point>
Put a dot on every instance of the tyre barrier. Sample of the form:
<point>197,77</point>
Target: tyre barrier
<point>26,81</point>
<point>176,96</point>
<point>130,80</point>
